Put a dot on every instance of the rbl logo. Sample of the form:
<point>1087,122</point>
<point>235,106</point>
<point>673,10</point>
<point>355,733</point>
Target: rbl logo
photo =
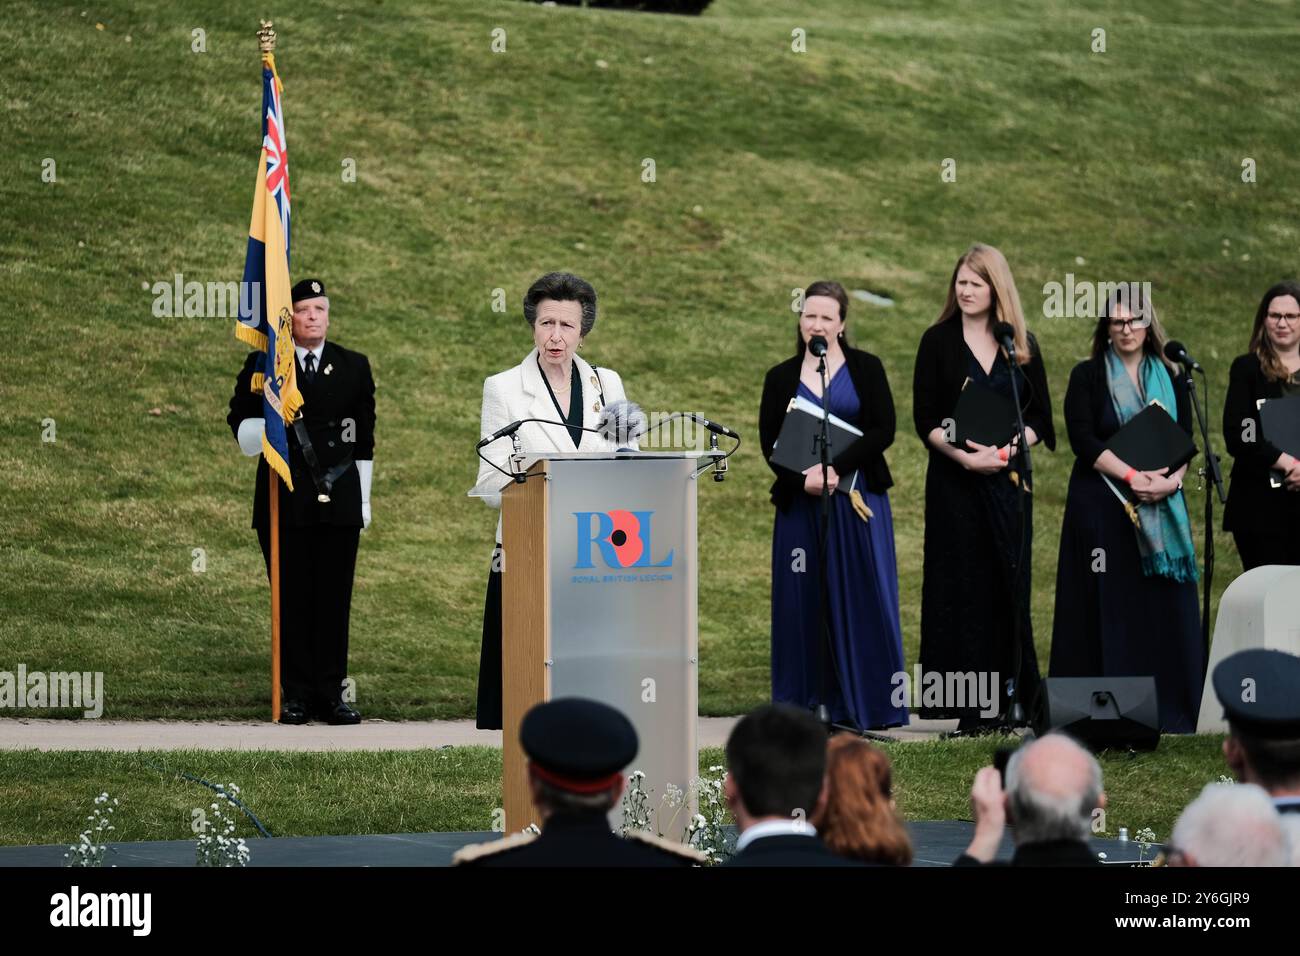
<point>623,538</point>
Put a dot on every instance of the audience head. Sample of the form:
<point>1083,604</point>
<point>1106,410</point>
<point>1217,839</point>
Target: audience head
<point>577,752</point>
<point>776,766</point>
<point>858,818</point>
<point>1053,785</point>
<point>1230,825</point>
<point>1260,693</point>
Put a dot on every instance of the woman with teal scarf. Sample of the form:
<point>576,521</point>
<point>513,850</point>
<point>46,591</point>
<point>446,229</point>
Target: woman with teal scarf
<point>1126,602</point>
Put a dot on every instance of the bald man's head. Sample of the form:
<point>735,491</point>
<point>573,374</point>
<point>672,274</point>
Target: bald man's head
<point>1053,786</point>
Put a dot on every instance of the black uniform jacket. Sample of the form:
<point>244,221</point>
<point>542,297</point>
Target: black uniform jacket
<point>583,839</point>
<point>339,409</point>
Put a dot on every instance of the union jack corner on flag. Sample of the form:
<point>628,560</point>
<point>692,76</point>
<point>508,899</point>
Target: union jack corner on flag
<point>266,320</point>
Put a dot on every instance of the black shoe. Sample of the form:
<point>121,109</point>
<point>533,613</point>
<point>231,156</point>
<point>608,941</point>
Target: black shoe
<point>293,712</point>
<point>338,714</point>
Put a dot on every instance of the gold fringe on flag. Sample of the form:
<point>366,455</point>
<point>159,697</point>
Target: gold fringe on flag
<point>251,337</point>
<point>276,462</point>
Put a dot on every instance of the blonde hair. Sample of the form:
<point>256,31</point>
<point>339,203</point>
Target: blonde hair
<point>991,266</point>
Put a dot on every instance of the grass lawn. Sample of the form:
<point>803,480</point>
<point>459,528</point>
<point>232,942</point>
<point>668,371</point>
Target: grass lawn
<point>44,797</point>
<point>478,171</point>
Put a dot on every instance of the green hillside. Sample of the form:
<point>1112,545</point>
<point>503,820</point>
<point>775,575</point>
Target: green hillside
<point>478,171</point>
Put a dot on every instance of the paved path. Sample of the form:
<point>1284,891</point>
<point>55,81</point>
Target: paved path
<point>131,735</point>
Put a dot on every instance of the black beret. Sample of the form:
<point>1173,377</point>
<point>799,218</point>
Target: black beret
<point>1260,693</point>
<point>307,289</point>
<point>578,744</point>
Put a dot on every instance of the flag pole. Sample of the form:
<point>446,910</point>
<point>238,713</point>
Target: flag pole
<point>266,47</point>
<point>275,592</point>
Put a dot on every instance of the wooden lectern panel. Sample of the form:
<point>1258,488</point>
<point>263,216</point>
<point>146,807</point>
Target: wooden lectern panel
<point>525,631</point>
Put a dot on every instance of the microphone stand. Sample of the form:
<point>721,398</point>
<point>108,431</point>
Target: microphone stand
<point>1212,469</point>
<point>1015,715</point>
<point>826,650</point>
<point>822,443</point>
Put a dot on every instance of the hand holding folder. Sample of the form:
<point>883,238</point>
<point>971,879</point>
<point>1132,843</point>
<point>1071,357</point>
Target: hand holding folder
<point>1279,424</point>
<point>1150,441</point>
<point>796,445</point>
<point>982,416</point>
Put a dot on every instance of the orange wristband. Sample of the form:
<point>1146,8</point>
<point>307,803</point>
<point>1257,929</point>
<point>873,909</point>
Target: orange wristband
<point>1128,478</point>
<point>1002,453</point>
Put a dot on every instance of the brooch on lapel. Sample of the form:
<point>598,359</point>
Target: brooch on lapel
<point>329,368</point>
<point>595,406</point>
<point>594,382</point>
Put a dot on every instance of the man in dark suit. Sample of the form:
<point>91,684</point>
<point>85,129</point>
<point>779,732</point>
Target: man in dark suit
<point>577,752</point>
<point>776,782</point>
<point>1053,787</point>
<point>1260,693</point>
<point>331,456</point>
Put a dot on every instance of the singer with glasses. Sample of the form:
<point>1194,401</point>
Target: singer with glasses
<point>1264,520</point>
<point>555,384</point>
<point>1126,603</point>
<point>978,551</point>
<point>866,647</point>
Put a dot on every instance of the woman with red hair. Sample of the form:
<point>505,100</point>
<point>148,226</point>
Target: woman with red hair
<point>858,819</point>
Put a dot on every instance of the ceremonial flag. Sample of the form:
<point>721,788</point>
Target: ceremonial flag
<point>266,316</point>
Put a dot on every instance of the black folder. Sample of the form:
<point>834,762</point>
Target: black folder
<point>1279,424</point>
<point>983,416</point>
<point>1152,441</point>
<point>796,445</point>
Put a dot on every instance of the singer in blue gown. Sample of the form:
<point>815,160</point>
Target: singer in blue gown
<point>865,637</point>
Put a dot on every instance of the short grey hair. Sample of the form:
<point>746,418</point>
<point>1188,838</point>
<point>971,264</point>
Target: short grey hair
<point>560,801</point>
<point>1054,796</point>
<point>1233,824</point>
<point>562,287</point>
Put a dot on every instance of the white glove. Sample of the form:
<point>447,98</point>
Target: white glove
<point>250,435</point>
<point>365,469</point>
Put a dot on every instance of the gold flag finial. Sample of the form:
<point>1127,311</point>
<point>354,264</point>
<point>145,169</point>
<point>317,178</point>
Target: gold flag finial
<point>266,37</point>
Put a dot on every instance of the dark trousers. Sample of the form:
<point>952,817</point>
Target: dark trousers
<point>1257,550</point>
<point>316,566</point>
<point>488,715</point>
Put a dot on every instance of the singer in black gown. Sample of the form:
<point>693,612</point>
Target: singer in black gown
<point>1264,520</point>
<point>973,544</point>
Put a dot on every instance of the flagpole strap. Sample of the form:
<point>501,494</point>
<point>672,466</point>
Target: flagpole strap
<point>268,61</point>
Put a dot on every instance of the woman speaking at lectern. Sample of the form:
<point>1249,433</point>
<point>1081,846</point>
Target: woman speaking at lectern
<point>551,383</point>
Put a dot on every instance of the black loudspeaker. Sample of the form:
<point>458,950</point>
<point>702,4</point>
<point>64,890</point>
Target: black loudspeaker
<point>1100,712</point>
